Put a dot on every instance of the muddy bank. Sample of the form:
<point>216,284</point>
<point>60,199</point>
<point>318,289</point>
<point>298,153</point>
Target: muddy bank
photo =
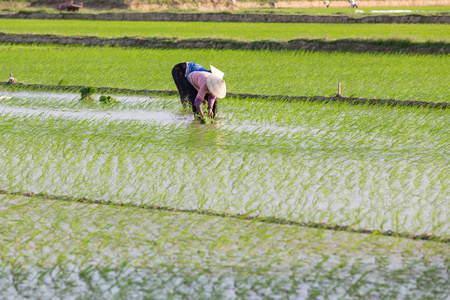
<point>347,45</point>
<point>351,100</point>
<point>362,4</point>
<point>227,17</point>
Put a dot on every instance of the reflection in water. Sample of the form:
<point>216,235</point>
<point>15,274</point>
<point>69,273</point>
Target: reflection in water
<point>161,117</point>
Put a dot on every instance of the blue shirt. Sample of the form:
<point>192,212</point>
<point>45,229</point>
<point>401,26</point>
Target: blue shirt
<point>193,67</point>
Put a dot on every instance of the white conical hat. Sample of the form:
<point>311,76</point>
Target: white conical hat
<point>216,86</point>
<point>216,72</point>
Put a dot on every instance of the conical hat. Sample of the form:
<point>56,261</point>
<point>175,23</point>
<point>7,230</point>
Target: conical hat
<point>216,72</point>
<point>216,86</point>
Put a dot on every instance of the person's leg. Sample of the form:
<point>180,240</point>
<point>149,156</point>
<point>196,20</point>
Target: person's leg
<point>215,108</point>
<point>178,72</point>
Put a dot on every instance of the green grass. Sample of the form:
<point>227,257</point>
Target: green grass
<point>230,31</point>
<point>385,76</point>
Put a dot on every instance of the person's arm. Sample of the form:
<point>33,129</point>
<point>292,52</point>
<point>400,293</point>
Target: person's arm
<point>211,101</point>
<point>198,105</point>
<point>199,99</point>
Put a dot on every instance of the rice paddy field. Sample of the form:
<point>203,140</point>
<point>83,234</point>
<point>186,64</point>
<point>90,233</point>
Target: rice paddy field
<point>279,199</point>
<point>367,167</point>
<point>383,76</point>
<point>230,31</point>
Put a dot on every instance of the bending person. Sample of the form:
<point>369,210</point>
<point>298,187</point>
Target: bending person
<point>180,74</point>
<point>209,87</point>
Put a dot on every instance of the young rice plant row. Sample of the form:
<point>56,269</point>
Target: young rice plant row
<point>383,76</point>
<point>230,31</point>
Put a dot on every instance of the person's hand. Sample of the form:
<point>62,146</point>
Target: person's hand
<point>210,113</point>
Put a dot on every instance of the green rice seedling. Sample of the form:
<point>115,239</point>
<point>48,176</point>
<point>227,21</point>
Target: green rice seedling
<point>383,76</point>
<point>86,94</point>
<point>351,165</point>
<point>122,251</point>
<point>230,31</point>
<point>108,99</point>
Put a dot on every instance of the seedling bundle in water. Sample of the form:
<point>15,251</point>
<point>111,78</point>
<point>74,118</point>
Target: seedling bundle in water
<point>206,120</point>
<point>87,92</point>
<point>108,99</point>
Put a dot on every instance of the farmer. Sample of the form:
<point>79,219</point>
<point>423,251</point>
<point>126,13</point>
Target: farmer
<point>352,3</point>
<point>180,74</point>
<point>198,85</point>
<point>209,87</point>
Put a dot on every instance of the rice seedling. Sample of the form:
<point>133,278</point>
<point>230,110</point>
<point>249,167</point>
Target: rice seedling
<point>230,31</point>
<point>86,93</point>
<point>108,99</point>
<point>358,166</point>
<point>67,249</point>
<point>366,167</point>
<point>383,76</point>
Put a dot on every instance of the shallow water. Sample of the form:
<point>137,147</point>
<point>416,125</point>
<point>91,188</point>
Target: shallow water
<point>200,256</point>
<point>160,117</point>
<point>302,172</point>
<point>392,11</point>
<point>64,96</point>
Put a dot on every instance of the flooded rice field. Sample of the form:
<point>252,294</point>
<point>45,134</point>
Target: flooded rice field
<point>91,251</point>
<point>373,167</point>
<point>339,165</point>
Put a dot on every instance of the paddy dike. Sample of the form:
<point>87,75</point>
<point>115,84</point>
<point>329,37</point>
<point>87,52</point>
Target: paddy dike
<point>342,45</point>
<point>337,98</point>
<point>227,17</point>
<point>240,216</point>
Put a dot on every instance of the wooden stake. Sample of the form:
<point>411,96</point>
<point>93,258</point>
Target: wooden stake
<point>339,90</point>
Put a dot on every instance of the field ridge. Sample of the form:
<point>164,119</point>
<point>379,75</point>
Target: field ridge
<point>254,218</point>
<point>350,100</point>
<point>227,17</point>
<point>341,45</point>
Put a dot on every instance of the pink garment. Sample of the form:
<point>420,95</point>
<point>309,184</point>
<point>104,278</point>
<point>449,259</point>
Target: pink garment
<point>198,80</point>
